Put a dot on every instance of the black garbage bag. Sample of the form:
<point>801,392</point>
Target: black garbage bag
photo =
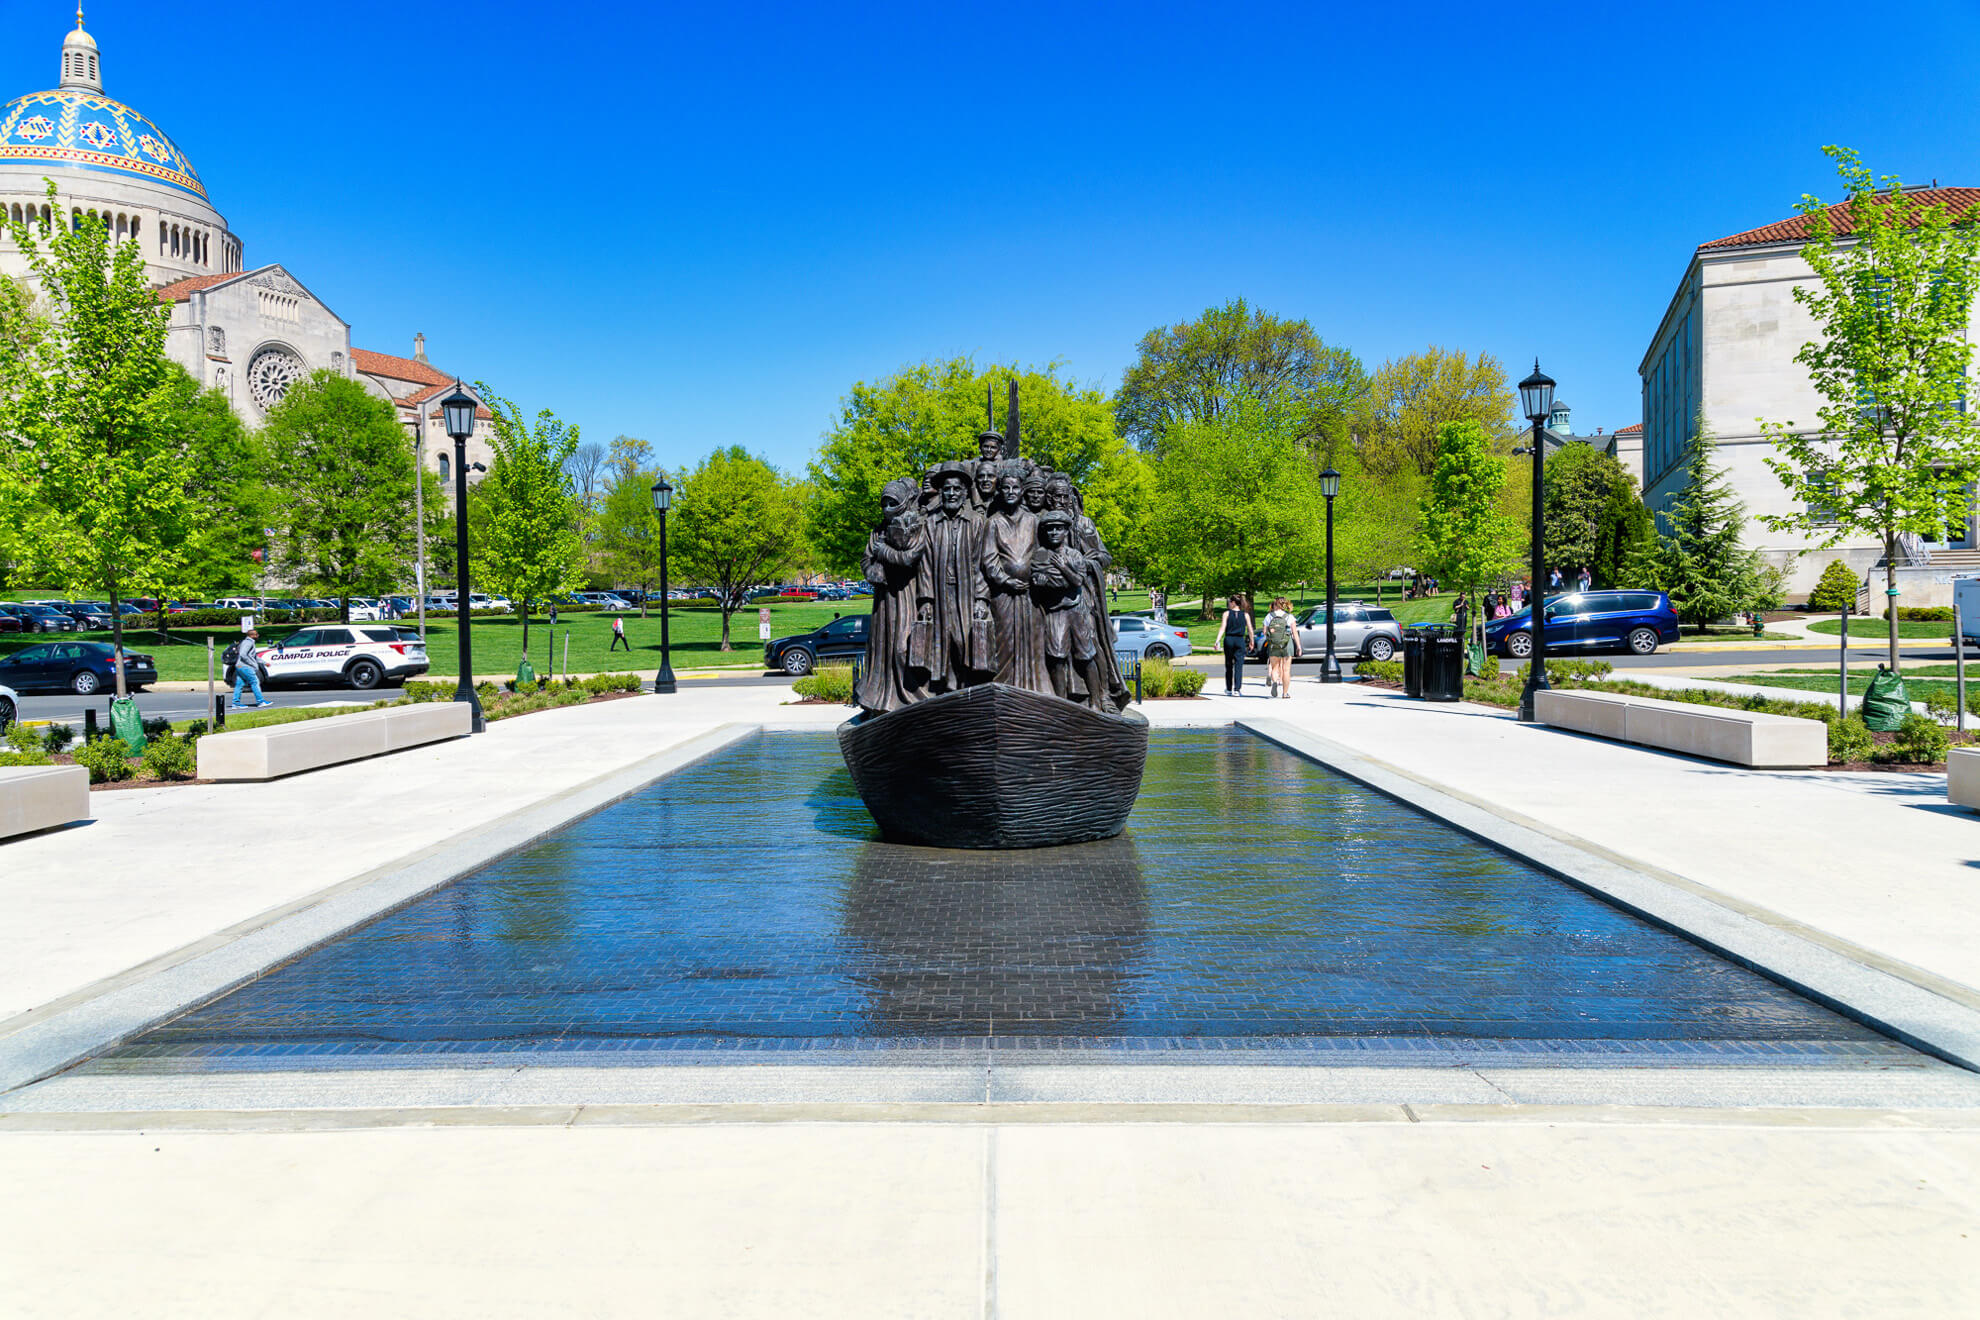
<point>1885,703</point>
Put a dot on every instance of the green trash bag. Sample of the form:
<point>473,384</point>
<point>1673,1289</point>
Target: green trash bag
<point>1885,704</point>
<point>127,722</point>
<point>525,675</point>
<point>1474,663</point>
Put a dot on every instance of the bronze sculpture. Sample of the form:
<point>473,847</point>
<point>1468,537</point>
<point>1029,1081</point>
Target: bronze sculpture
<point>993,713</point>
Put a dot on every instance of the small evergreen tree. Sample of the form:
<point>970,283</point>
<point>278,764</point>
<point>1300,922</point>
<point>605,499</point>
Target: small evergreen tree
<point>1698,558</point>
<point>1625,532</point>
<point>1836,592</point>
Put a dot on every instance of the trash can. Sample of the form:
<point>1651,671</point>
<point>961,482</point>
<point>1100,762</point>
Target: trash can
<point>1412,662</point>
<point>1443,669</point>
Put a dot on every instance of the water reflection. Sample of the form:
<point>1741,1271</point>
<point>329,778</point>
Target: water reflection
<point>974,943</point>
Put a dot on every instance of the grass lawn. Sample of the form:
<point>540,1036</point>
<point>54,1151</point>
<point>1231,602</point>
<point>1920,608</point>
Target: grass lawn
<point>1859,682</point>
<point>1873,630</point>
<point>697,635</point>
<point>1910,671</point>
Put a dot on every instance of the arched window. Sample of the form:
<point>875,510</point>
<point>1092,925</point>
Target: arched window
<point>445,468</point>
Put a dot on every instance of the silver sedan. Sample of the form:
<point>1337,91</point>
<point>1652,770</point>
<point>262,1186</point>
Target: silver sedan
<point>1360,631</point>
<point>1146,639</point>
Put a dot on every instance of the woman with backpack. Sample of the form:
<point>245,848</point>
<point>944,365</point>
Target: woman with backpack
<point>1236,635</point>
<point>1281,646</point>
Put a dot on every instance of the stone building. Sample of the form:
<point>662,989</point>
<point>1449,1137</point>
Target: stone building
<point>1624,445</point>
<point>247,331</point>
<point>1725,348</point>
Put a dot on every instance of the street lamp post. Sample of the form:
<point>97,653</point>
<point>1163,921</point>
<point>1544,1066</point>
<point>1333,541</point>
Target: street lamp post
<point>1536,399</point>
<point>1330,486</point>
<point>457,414</point>
<point>663,499</point>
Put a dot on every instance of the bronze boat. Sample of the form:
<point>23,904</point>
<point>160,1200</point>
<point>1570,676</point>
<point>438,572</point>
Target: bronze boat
<point>996,766</point>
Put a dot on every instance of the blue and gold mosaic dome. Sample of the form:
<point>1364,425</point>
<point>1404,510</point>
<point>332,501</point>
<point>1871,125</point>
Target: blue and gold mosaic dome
<point>87,130</point>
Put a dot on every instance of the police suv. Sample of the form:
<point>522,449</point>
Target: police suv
<point>346,655</point>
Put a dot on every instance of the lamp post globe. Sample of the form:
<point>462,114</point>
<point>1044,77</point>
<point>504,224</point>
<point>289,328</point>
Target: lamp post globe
<point>1536,400</point>
<point>663,499</point>
<point>457,416</point>
<point>1330,486</point>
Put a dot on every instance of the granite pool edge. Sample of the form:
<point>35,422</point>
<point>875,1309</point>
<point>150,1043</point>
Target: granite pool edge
<point>1827,970</point>
<point>123,1006</point>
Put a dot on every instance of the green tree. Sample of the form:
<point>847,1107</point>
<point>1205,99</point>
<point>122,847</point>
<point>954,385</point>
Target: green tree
<point>1698,558</point>
<point>629,534</point>
<point>342,470</point>
<point>1376,522</point>
<point>1192,371</point>
<point>1120,498</point>
<point>1237,506</point>
<point>1411,399</point>
<point>932,412</point>
<point>228,483</point>
<point>110,467</point>
<point>736,522</point>
<point>531,549</point>
<point>1897,444</point>
<point>1466,539</point>
<point>1835,593</point>
<point>1592,513</point>
<point>628,457</point>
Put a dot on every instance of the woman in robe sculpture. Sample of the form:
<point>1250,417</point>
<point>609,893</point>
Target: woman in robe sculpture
<point>1009,539</point>
<point>892,564</point>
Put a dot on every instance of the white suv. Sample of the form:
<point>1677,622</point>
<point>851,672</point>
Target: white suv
<point>356,657</point>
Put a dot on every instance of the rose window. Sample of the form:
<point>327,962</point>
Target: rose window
<point>270,375</point>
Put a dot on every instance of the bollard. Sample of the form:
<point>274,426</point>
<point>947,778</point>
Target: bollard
<point>89,724</point>
<point>216,719</point>
<point>852,697</point>
<point>1137,682</point>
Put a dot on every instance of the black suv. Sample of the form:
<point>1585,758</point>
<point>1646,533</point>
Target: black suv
<point>842,639</point>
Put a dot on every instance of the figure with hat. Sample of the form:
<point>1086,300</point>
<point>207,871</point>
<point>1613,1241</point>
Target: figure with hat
<point>954,639</point>
<point>1059,577</point>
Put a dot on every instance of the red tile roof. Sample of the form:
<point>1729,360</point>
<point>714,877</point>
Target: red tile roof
<point>1633,426</point>
<point>418,397</point>
<point>397,368</point>
<point>1957,201</point>
<point>180,290</point>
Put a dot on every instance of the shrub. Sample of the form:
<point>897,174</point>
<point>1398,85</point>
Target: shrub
<point>57,737</point>
<point>826,683</point>
<point>1922,613</point>
<point>1160,679</point>
<point>169,757</point>
<point>1849,740</point>
<point>1388,671</point>
<point>27,746</point>
<point>1920,740</point>
<point>107,760</point>
<point>1836,592</point>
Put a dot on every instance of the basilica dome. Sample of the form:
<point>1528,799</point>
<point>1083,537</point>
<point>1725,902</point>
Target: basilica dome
<point>72,128</point>
<point>109,161</point>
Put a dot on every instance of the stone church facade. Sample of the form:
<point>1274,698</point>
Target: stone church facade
<point>249,332</point>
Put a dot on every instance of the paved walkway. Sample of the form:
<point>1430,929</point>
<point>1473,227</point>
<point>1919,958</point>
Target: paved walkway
<point>1067,1209</point>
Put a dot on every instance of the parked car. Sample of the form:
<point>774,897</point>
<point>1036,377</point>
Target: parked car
<point>90,616</point>
<point>362,658</point>
<point>1142,637</point>
<point>10,622</point>
<point>39,618</point>
<point>843,638</point>
<point>10,707</point>
<point>481,601</point>
<point>1361,632</point>
<point>83,668</point>
<point>1633,620</point>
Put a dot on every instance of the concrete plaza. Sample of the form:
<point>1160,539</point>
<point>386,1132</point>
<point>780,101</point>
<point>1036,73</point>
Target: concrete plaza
<point>768,1190</point>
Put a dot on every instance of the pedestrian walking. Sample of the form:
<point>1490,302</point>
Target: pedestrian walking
<point>1281,647</point>
<point>1235,634</point>
<point>247,669</point>
<point>618,636</point>
<point>1553,579</point>
<point>1158,605</point>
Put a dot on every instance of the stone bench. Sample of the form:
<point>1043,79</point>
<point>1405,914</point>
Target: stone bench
<point>1963,777</point>
<point>287,749</point>
<point>40,797</point>
<point>1743,737</point>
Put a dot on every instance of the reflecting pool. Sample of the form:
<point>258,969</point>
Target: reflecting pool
<point>1258,902</point>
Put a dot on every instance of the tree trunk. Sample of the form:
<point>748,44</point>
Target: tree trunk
<point>343,609</point>
<point>117,641</point>
<point>525,606</point>
<point>1890,596</point>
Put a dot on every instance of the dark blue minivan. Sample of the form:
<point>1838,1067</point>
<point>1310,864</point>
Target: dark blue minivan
<point>1623,620</point>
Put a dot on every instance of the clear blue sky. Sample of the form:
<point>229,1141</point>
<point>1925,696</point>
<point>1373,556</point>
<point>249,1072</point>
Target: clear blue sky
<point>701,223</point>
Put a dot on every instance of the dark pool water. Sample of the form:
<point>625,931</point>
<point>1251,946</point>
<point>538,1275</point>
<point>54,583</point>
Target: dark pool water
<point>1258,901</point>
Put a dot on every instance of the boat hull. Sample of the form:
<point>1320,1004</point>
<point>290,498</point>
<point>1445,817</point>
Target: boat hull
<point>996,766</point>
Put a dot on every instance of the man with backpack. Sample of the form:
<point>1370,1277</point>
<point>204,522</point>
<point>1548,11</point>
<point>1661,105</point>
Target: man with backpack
<point>247,669</point>
<point>1281,645</point>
